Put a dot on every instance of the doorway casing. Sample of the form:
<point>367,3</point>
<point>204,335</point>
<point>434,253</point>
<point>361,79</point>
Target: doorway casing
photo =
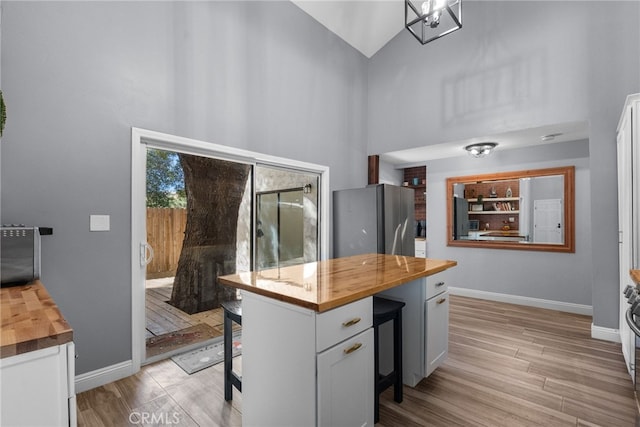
<point>141,139</point>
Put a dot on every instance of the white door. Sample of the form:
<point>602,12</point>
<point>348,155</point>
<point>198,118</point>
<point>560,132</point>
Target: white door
<point>625,224</point>
<point>141,140</point>
<point>547,221</point>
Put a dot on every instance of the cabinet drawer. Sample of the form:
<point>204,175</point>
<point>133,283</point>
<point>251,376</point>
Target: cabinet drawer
<point>435,286</point>
<point>343,322</point>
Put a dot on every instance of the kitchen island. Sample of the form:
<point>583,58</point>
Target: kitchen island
<point>307,336</point>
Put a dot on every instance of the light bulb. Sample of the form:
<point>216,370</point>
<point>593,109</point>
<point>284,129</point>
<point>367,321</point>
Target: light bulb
<point>437,8</point>
<point>426,7</point>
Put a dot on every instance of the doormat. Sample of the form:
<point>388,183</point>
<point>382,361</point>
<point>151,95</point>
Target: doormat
<point>204,357</point>
<point>172,341</point>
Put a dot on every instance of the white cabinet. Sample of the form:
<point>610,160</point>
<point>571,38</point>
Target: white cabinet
<point>37,388</point>
<point>437,331</point>
<point>628,213</point>
<point>303,368</point>
<point>425,328</point>
<point>346,382</point>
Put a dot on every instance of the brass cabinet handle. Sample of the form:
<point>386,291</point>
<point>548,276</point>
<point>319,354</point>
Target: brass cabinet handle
<point>439,284</point>
<point>441,300</point>
<point>351,322</point>
<point>352,348</point>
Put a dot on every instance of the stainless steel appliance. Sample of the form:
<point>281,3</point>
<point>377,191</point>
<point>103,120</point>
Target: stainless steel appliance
<point>376,219</point>
<point>460,218</point>
<point>19,254</point>
<point>632,316</point>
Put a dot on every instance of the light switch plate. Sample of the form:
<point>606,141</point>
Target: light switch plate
<point>99,223</point>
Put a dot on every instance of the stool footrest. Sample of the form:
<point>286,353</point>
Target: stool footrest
<point>236,381</point>
<point>386,381</point>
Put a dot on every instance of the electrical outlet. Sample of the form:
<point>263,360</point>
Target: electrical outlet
<point>511,219</point>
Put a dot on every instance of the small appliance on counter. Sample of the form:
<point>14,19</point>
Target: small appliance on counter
<point>20,254</point>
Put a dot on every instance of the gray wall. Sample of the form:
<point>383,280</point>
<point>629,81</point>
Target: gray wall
<point>77,76</point>
<point>388,174</point>
<point>517,65</point>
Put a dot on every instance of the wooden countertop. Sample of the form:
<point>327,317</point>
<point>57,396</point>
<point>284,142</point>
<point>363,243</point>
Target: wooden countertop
<point>324,285</point>
<point>30,319</point>
<point>635,276</point>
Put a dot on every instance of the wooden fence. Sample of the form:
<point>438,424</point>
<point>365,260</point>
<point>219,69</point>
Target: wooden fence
<point>165,233</point>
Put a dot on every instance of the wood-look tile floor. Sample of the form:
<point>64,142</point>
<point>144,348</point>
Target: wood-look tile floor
<point>508,365</point>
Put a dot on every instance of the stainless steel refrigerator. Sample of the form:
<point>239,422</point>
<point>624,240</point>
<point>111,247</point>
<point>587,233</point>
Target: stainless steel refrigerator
<point>460,218</point>
<point>376,219</point>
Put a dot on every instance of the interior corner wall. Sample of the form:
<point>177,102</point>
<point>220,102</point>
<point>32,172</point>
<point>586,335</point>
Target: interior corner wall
<point>389,174</point>
<point>77,76</point>
<point>513,66</point>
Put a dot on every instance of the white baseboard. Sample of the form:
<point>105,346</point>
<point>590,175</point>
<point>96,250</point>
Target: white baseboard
<point>607,334</point>
<point>103,376</point>
<point>568,307</point>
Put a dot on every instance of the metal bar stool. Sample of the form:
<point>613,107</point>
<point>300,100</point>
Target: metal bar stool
<point>385,310</point>
<point>232,312</point>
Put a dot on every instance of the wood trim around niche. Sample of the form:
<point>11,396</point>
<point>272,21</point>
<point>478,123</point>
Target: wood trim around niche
<point>374,169</point>
<point>568,172</point>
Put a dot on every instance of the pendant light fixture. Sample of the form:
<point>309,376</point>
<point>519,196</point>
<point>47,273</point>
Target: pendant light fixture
<point>429,20</point>
<point>481,149</point>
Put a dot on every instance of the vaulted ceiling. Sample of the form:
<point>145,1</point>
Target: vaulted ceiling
<point>367,25</point>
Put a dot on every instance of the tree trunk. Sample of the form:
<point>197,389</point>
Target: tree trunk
<point>214,190</point>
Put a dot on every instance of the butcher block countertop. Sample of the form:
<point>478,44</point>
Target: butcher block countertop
<point>31,320</point>
<point>635,276</point>
<point>323,285</point>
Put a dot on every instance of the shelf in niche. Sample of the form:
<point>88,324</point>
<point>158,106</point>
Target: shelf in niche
<point>493,212</point>
<point>495,199</point>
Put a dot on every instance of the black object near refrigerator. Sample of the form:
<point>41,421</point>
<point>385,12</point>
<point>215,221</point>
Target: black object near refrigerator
<point>379,218</point>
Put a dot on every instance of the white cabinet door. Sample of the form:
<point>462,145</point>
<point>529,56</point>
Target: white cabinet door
<point>37,379</point>
<point>437,331</point>
<point>346,382</point>
<point>625,224</point>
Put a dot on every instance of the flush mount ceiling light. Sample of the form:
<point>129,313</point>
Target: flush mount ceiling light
<point>481,149</point>
<point>429,20</point>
